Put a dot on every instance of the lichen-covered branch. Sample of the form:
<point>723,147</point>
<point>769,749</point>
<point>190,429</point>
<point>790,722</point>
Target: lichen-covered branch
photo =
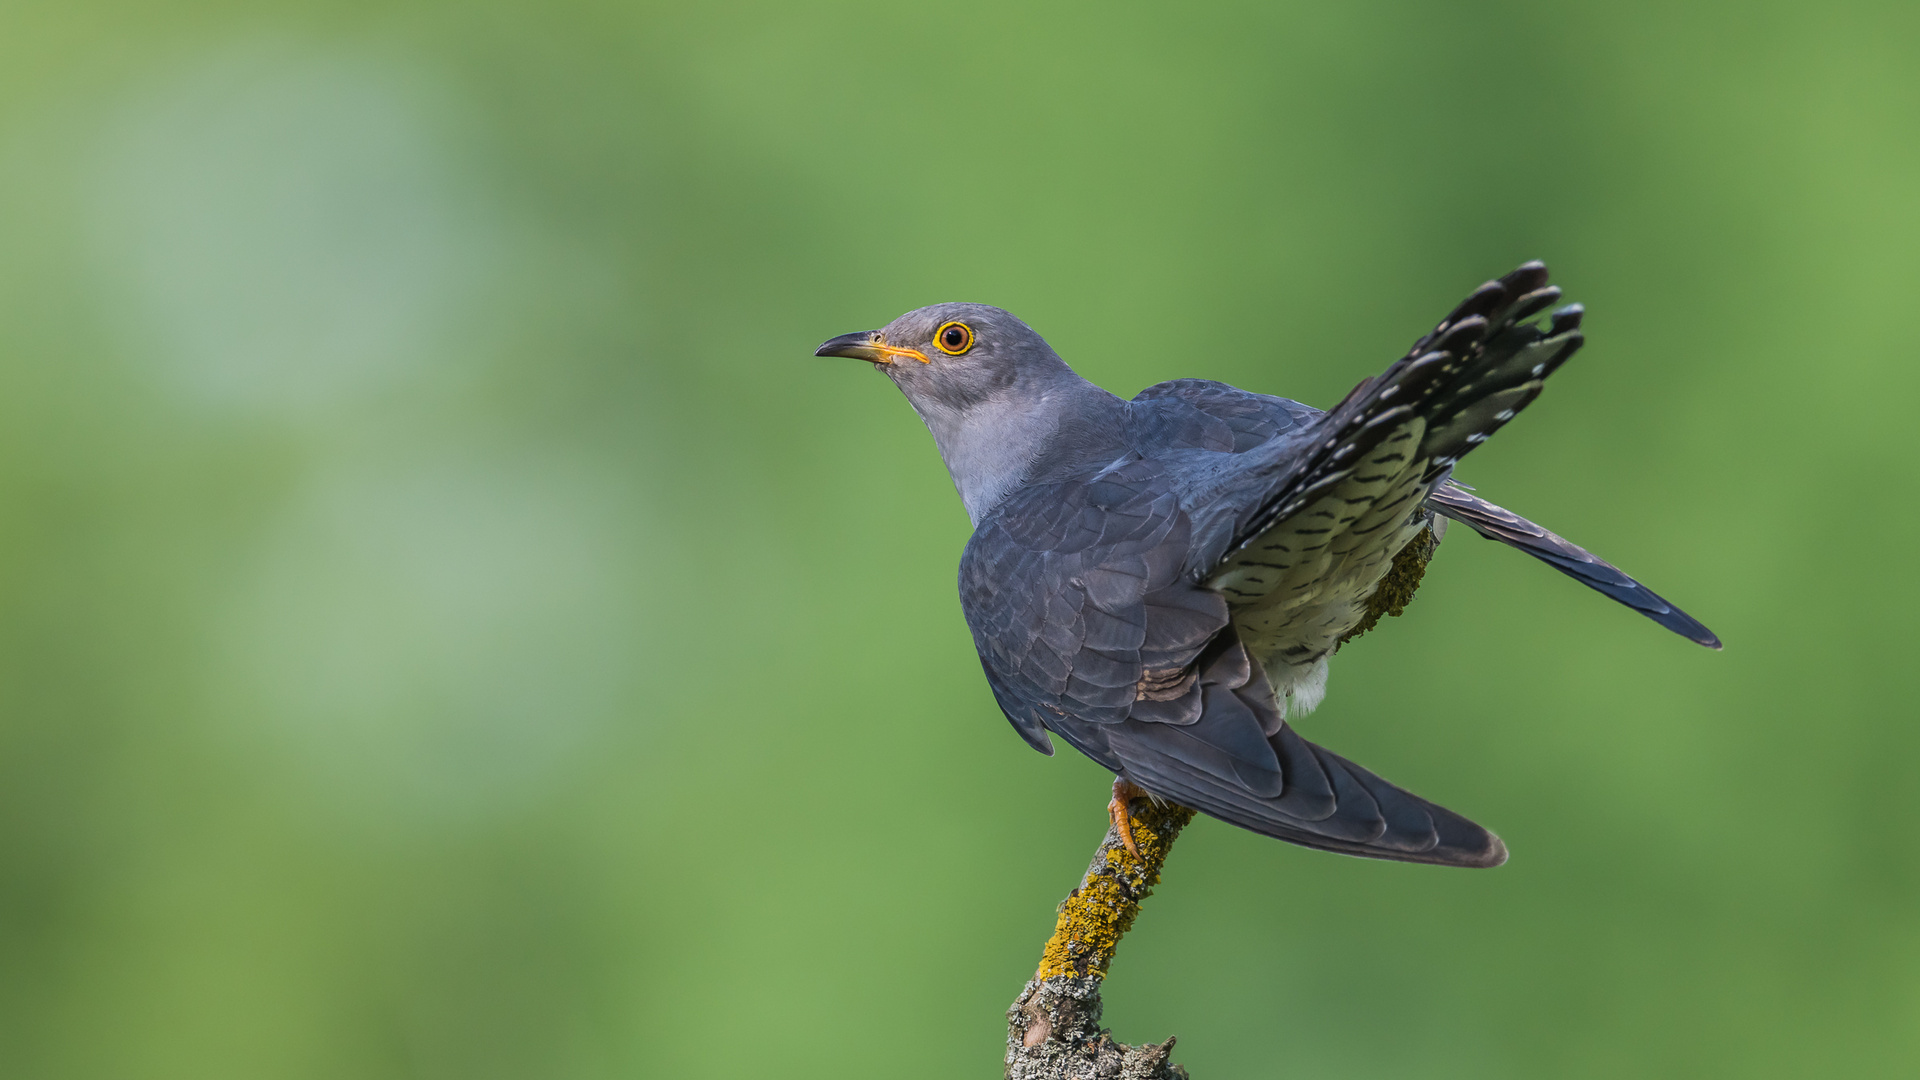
<point>1053,1028</point>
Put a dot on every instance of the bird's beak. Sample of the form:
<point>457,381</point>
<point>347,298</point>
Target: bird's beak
<point>866,345</point>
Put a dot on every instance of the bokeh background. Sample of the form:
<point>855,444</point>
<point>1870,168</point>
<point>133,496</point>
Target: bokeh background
<point>450,627</point>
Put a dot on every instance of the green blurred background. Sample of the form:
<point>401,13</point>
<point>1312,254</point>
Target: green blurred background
<point>450,627</point>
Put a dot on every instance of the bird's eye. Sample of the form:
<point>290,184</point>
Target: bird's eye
<point>953,338</point>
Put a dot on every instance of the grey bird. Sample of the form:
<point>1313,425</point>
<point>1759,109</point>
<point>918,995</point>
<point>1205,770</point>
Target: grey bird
<point>1161,581</point>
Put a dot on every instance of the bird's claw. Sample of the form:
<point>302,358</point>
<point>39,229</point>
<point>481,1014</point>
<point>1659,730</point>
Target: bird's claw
<point>1123,794</point>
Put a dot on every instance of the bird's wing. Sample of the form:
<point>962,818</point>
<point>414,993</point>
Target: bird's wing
<point>1301,536</point>
<point>1073,592</point>
<point>1300,793</point>
<point>1371,457</point>
<point>1497,523</point>
<point>1088,627</point>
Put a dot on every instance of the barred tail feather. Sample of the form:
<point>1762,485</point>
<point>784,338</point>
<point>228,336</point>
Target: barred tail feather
<point>1497,523</point>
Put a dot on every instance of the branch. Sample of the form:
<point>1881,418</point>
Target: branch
<point>1053,1028</point>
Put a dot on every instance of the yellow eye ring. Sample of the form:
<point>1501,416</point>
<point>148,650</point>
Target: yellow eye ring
<point>953,338</point>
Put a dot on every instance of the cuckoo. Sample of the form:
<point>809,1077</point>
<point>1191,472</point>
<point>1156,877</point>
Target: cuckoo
<point>1162,582</point>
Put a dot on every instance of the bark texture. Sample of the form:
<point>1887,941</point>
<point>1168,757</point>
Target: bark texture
<point>1053,1028</point>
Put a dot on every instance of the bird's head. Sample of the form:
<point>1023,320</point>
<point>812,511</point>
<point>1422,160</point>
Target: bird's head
<point>990,390</point>
<point>951,358</point>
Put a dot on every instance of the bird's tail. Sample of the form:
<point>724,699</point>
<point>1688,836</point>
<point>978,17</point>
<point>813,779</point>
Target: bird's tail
<point>1499,523</point>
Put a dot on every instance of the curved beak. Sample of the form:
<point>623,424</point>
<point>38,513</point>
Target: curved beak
<point>866,345</point>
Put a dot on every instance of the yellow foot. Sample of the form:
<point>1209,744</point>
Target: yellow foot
<point>1124,793</point>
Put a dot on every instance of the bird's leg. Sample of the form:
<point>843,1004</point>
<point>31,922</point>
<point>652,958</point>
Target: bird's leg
<point>1124,793</point>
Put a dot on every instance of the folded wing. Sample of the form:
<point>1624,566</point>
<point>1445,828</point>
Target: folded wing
<point>1240,762</point>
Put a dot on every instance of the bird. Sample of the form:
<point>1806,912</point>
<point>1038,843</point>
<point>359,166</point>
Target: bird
<point>1162,581</point>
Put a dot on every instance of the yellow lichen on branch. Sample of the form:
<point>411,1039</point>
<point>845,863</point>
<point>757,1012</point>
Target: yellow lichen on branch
<point>1053,1028</point>
<point>1396,590</point>
<point>1097,914</point>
